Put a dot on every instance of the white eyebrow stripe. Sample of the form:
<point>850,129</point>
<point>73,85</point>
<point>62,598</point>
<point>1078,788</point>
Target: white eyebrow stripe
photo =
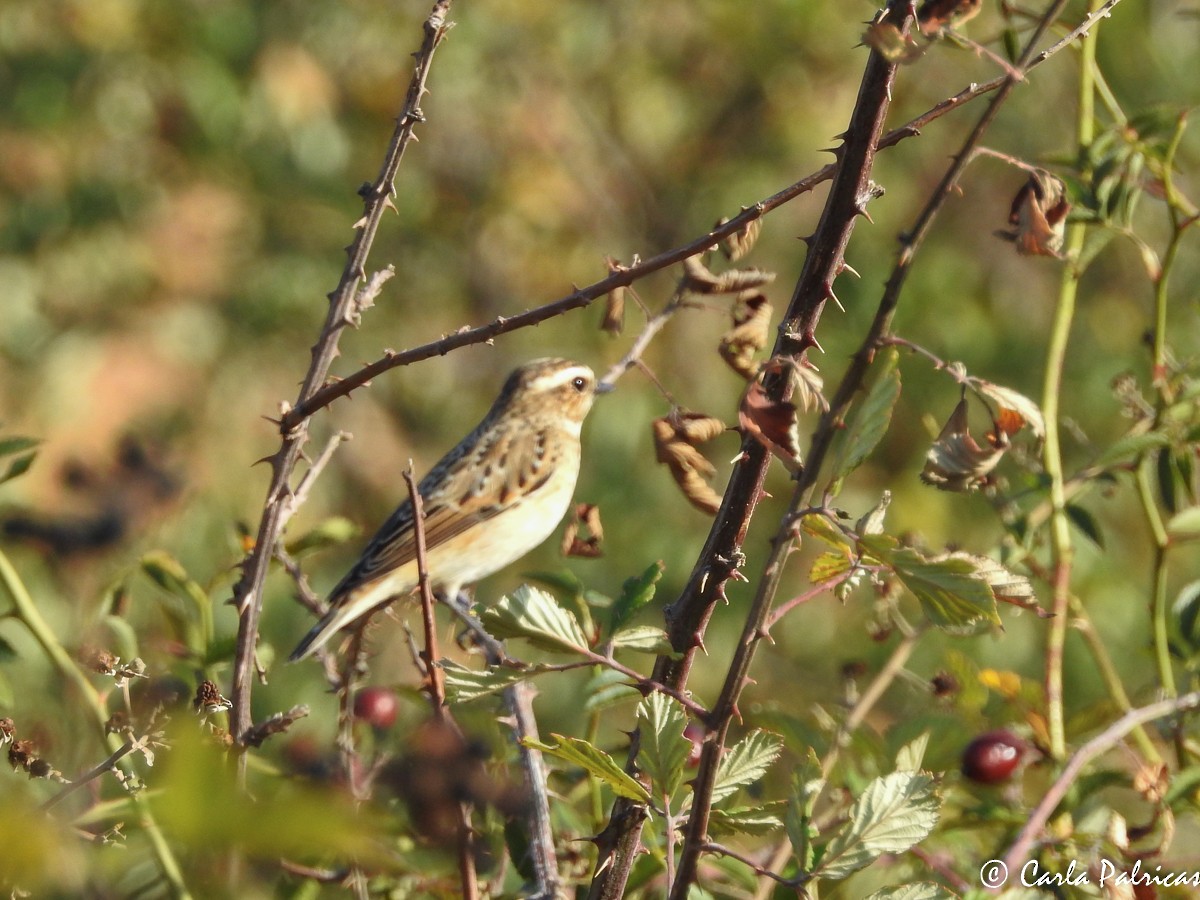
<point>552,380</point>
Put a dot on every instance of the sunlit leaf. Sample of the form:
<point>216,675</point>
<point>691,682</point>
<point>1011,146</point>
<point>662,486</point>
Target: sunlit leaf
<point>758,820</point>
<point>464,685</point>
<point>664,748</point>
<point>746,762</point>
<point>951,592</point>
<point>594,761</point>
<point>643,639</point>
<point>828,566</point>
<point>892,814</point>
<point>534,615</point>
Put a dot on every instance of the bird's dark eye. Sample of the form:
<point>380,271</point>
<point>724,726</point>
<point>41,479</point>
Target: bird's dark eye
<point>579,384</point>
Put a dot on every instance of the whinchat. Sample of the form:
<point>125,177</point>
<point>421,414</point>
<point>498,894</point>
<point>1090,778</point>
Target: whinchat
<point>488,502</point>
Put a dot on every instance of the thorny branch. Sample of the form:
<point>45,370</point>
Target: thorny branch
<point>344,305</point>
<point>689,619</point>
<point>625,276</point>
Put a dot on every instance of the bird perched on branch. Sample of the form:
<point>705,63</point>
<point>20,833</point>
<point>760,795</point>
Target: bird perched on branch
<point>487,503</point>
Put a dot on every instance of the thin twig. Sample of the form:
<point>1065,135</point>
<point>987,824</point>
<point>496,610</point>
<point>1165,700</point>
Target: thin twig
<point>90,775</point>
<point>519,698</point>
<point>1019,851</point>
<point>248,593</point>
<point>759,869</point>
<point>435,677</point>
<point>435,680</point>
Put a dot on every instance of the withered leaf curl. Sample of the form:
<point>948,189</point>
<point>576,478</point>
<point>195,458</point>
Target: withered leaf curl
<point>750,332</point>
<point>1039,215</point>
<point>772,423</point>
<point>699,279</point>
<point>675,440</point>
<point>956,461</point>
<point>586,519</point>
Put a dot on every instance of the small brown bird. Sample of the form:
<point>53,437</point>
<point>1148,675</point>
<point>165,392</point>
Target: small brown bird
<point>487,503</point>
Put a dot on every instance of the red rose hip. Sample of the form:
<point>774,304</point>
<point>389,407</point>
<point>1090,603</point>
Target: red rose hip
<point>992,757</point>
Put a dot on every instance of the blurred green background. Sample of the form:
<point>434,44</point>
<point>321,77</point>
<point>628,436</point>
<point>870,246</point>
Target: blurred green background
<point>177,182</point>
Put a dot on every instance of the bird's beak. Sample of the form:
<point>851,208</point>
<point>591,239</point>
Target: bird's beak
<point>605,387</point>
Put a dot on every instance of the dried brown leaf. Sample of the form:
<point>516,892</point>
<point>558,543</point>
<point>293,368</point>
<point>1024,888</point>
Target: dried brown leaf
<point>614,311</point>
<point>586,518</point>
<point>675,437</point>
<point>888,41</point>
<point>1011,403</point>
<point>696,428</point>
<point>934,15</point>
<point>751,332</point>
<point>741,242</point>
<point>809,385</point>
<point>772,423</point>
<point>956,461</point>
<point>1039,215</point>
<point>699,279</point>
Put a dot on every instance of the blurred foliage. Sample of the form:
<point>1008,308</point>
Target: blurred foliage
<point>177,184</point>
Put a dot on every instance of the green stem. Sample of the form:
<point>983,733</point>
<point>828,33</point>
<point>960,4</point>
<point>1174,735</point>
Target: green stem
<point>1158,598</point>
<point>28,614</point>
<point>1060,532</point>
<point>1111,677</point>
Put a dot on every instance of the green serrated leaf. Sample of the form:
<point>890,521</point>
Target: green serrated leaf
<point>643,639</point>
<point>664,749</point>
<point>829,565</point>
<point>534,615</point>
<point>920,890</point>
<point>594,761</point>
<point>892,814</point>
<point>752,820</point>
<point>821,526</point>
<point>464,684</point>
<point>636,594</point>
<point>746,762</point>
<point>870,418</point>
<point>1132,445</point>
<point>952,595</point>
<point>1185,526</point>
